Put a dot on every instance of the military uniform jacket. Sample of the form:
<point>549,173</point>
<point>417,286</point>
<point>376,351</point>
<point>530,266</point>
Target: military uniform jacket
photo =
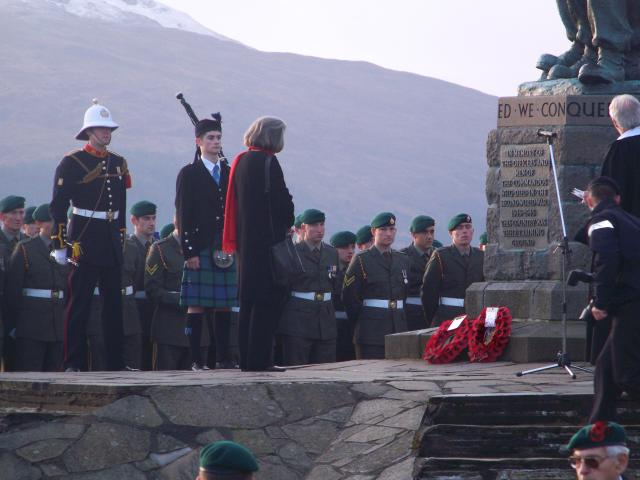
<point>200,204</point>
<point>6,249</point>
<point>312,319</point>
<point>338,305</point>
<point>162,279</point>
<point>371,276</point>
<point>613,239</point>
<point>31,266</point>
<point>91,183</point>
<point>417,267</point>
<point>142,251</point>
<point>449,274</point>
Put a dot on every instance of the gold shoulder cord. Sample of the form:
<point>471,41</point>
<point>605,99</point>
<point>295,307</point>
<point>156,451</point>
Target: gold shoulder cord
<point>26,258</point>
<point>162,259</point>
<point>440,263</point>
<point>364,273</point>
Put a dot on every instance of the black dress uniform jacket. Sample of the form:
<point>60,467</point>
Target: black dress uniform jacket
<point>162,278</point>
<point>449,274</point>
<point>312,319</point>
<point>621,164</point>
<point>91,183</point>
<point>200,204</point>
<point>31,266</point>
<point>371,276</point>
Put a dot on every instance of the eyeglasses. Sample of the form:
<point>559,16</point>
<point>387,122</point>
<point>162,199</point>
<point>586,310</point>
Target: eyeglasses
<point>591,462</point>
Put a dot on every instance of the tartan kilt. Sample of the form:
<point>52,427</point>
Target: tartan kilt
<point>210,286</point>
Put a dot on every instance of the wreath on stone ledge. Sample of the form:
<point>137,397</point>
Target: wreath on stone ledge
<point>487,344</point>
<point>446,345</point>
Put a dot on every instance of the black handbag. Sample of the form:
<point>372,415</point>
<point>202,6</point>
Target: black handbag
<point>284,258</point>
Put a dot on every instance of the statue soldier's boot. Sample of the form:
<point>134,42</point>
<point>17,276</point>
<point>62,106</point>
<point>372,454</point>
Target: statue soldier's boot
<point>609,69</point>
<point>571,56</point>
<point>632,64</point>
<point>563,71</point>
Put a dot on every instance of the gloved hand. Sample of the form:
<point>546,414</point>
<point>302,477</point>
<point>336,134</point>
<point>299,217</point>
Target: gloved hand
<point>60,256</point>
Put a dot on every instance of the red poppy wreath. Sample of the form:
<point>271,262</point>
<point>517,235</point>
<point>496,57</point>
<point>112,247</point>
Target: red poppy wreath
<point>446,345</point>
<point>486,344</point>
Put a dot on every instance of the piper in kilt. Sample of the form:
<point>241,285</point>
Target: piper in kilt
<point>209,278</point>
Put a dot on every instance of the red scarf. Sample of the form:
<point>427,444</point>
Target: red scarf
<point>229,239</point>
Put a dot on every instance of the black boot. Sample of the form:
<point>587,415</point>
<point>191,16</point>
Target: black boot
<point>193,331</point>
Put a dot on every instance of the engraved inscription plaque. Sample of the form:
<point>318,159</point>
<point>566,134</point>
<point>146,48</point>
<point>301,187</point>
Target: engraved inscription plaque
<point>525,188</point>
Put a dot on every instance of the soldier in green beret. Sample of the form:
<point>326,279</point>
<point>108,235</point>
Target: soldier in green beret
<point>167,230</point>
<point>307,327</point>
<point>599,452</point>
<point>35,294</point>
<point>226,460</point>
<point>162,279</point>
<point>12,218</point>
<point>345,243</point>
<point>364,238</point>
<point>29,227</point>
<point>143,219</point>
<point>449,273</point>
<point>375,288</point>
<point>483,241</point>
<point>422,231</point>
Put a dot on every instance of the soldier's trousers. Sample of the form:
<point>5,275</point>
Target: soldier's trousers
<point>369,352</point>
<point>415,317</point>
<point>145,309</point>
<point>131,352</point>
<point>172,357</point>
<point>37,356</point>
<point>618,365</point>
<point>82,281</point>
<point>303,351</point>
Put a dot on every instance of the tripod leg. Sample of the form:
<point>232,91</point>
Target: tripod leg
<point>573,375</point>
<point>534,370</point>
<point>582,369</point>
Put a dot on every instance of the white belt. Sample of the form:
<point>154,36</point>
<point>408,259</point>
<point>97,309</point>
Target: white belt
<point>414,301</point>
<point>452,302</point>
<point>376,303</point>
<point>93,214</point>
<point>140,295</point>
<point>235,309</point>
<point>42,293</point>
<point>127,290</point>
<point>341,315</point>
<point>315,296</point>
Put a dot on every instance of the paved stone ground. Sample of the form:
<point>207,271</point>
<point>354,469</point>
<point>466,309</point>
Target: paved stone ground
<point>353,421</point>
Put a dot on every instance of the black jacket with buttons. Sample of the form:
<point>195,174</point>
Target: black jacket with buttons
<point>200,204</point>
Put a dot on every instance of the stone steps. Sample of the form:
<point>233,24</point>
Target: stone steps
<point>507,436</point>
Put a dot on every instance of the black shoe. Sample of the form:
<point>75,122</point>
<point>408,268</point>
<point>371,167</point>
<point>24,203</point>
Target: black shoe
<point>130,369</point>
<point>71,370</point>
<point>272,368</point>
<point>226,365</point>
<point>196,367</point>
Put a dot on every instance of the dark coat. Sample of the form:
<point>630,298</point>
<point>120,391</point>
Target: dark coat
<point>200,204</point>
<point>621,164</point>
<point>253,230</point>
<point>100,240</point>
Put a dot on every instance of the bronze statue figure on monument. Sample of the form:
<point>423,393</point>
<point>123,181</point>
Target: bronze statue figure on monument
<point>605,48</point>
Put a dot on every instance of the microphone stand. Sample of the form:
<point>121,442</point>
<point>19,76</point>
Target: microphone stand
<point>562,359</point>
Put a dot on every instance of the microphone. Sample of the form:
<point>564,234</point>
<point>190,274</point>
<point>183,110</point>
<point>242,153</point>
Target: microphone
<point>546,133</point>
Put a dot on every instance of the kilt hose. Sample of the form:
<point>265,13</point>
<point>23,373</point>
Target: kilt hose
<point>210,286</point>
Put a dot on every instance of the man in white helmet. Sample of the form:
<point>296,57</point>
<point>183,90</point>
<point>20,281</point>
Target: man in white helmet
<point>94,180</point>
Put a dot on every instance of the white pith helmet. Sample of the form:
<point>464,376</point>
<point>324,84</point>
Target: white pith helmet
<point>96,116</point>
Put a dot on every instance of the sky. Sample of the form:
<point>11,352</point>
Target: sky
<point>488,45</point>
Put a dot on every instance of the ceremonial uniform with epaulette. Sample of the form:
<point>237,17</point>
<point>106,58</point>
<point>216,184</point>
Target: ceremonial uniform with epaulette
<point>307,328</point>
<point>162,279</point>
<point>94,181</point>
<point>12,215</point>
<point>35,294</point>
<point>343,241</point>
<point>418,258</point>
<point>449,273</point>
<point>374,291</point>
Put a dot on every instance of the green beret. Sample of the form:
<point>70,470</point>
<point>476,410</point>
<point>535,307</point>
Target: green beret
<point>28,215</point>
<point>437,244</point>
<point>298,221</point>
<point>143,208</point>
<point>311,216</point>
<point>42,213</point>
<point>364,235</point>
<point>167,230</point>
<point>11,203</point>
<point>343,239</point>
<point>483,238</point>
<point>421,223</point>
<point>227,457</point>
<point>457,220</point>
<point>599,434</point>
<point>384,219</point>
